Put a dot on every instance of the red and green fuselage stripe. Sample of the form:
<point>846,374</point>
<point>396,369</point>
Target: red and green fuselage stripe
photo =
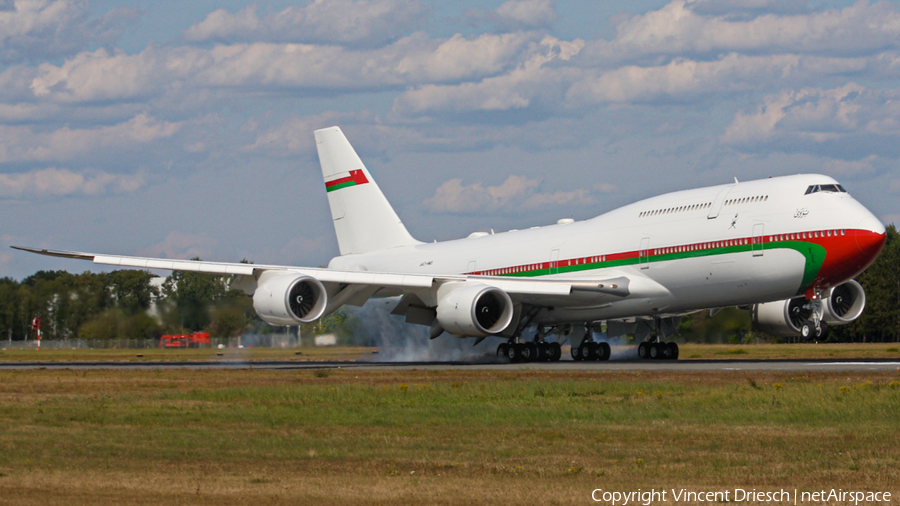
<point>356,177</point>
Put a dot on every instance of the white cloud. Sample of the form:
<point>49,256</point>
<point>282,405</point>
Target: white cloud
<point>514,15</point>
<point>527,14</point>
<point>293,137</point>
<point>54,28</point>
<point>817,115</point>
<point>181,245</point>
<point>867,165</point>
<point>101,76</point>
<point>62,182</point>
<point>685,78</point>
<point>322,22</point>
<point>533,80</point>
<point>23,144</point>
<point>676,29</point>
<point>515,194</point>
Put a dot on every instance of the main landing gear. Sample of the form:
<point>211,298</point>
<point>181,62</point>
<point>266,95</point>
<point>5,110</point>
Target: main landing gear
<point>658,350</point>
<point>654,348</point>
<point>589,350</point>
<point>530,352</point>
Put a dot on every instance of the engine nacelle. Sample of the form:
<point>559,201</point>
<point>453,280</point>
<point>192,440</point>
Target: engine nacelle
<point>474,310</point>
<point>290,300</point>
<point>781,317</point>
<point>844,304</point>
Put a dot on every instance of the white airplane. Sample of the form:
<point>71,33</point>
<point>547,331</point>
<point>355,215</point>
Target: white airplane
<point>786,248</point>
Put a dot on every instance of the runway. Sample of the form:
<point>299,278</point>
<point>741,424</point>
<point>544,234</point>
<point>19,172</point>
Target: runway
<point>853,365</point>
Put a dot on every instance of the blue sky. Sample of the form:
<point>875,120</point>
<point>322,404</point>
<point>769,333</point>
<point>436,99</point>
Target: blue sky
<point>183,129</point>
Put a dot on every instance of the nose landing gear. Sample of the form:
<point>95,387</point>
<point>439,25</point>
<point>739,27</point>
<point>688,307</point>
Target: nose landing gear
<point>815,329</point>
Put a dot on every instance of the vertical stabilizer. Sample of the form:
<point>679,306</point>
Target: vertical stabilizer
<point>363,219</point>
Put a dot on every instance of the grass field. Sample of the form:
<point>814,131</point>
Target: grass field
<point>689,351</point>
<point>435,437</point>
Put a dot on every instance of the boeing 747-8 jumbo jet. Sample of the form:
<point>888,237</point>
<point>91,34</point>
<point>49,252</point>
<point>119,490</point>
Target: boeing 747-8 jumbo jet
<point>786,248</point>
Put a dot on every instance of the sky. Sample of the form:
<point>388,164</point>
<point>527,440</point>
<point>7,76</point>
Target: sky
<point>181,129</point>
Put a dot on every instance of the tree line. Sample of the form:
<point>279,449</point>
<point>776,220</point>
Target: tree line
<point>122,304</point>
<point>125,304</point>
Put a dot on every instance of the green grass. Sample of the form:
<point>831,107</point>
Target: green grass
<point>432,437</point>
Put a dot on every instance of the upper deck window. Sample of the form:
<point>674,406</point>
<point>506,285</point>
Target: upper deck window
<point>827,188</point>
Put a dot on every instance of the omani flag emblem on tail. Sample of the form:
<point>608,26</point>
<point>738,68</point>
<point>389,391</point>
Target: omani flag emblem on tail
<point>356,177</point>
<point>363,219</point>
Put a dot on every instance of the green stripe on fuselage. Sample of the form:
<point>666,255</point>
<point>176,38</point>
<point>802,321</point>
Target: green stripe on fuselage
<point>813,253</point>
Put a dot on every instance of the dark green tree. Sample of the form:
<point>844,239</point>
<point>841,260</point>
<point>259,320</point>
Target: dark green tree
<point>190,296</point>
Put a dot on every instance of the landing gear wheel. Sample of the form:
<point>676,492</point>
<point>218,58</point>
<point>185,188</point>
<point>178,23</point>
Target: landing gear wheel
<point>673,350</point>
<point>546,352</point>
<point>590,351</point>
<point>585,351</point>
<point>665,353</point>
<point>539,353</point>
<point>603,351</point>
<point>656,351</point>
<point>823,331</point>
<point>644,350</point>
<point>555,352</point>
<point>576,353</point>
<point>514,352</point>
<point>531,353</point>
<point>503,350</point>
<point>807,330</point>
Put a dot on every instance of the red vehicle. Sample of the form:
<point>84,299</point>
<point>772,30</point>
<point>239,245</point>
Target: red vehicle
<point>195,340</point>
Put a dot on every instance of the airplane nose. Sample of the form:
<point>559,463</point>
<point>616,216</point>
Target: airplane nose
<point>871,224</point>
<point>870,237</point>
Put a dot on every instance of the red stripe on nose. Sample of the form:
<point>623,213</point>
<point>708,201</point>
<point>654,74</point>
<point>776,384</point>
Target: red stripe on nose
<point>847,256</point>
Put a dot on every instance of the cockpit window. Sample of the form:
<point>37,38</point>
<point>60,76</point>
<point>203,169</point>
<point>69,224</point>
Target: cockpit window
<point>827,188</point>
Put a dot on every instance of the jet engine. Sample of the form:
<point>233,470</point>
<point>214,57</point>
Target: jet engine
<point>474,310</point>
<point>845,303</point>
<point>784,317</point>
<point>290,300</point>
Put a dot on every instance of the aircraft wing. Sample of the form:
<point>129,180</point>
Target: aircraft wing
<point>372,280</point>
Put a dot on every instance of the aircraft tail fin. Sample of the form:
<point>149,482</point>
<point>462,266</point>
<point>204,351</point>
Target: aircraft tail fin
<point>363,218</point>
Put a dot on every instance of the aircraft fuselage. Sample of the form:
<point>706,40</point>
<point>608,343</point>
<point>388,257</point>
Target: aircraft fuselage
<point>734,244</point>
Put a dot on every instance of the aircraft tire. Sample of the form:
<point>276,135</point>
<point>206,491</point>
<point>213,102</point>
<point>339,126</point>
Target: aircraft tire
<point>503,350</point>
<point>673,350</point>
<point>665,353</point>
<point>589,351</point>
<point>655,351</point>
<point>576,353</point>
<point>514,353</point>
<point>604,351</point>
<point>555,352</point>
<point>643,350</point>
<point>531,355</point>
<point>543,352</point>
<point>823,332</point>
<point>807,330</point>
